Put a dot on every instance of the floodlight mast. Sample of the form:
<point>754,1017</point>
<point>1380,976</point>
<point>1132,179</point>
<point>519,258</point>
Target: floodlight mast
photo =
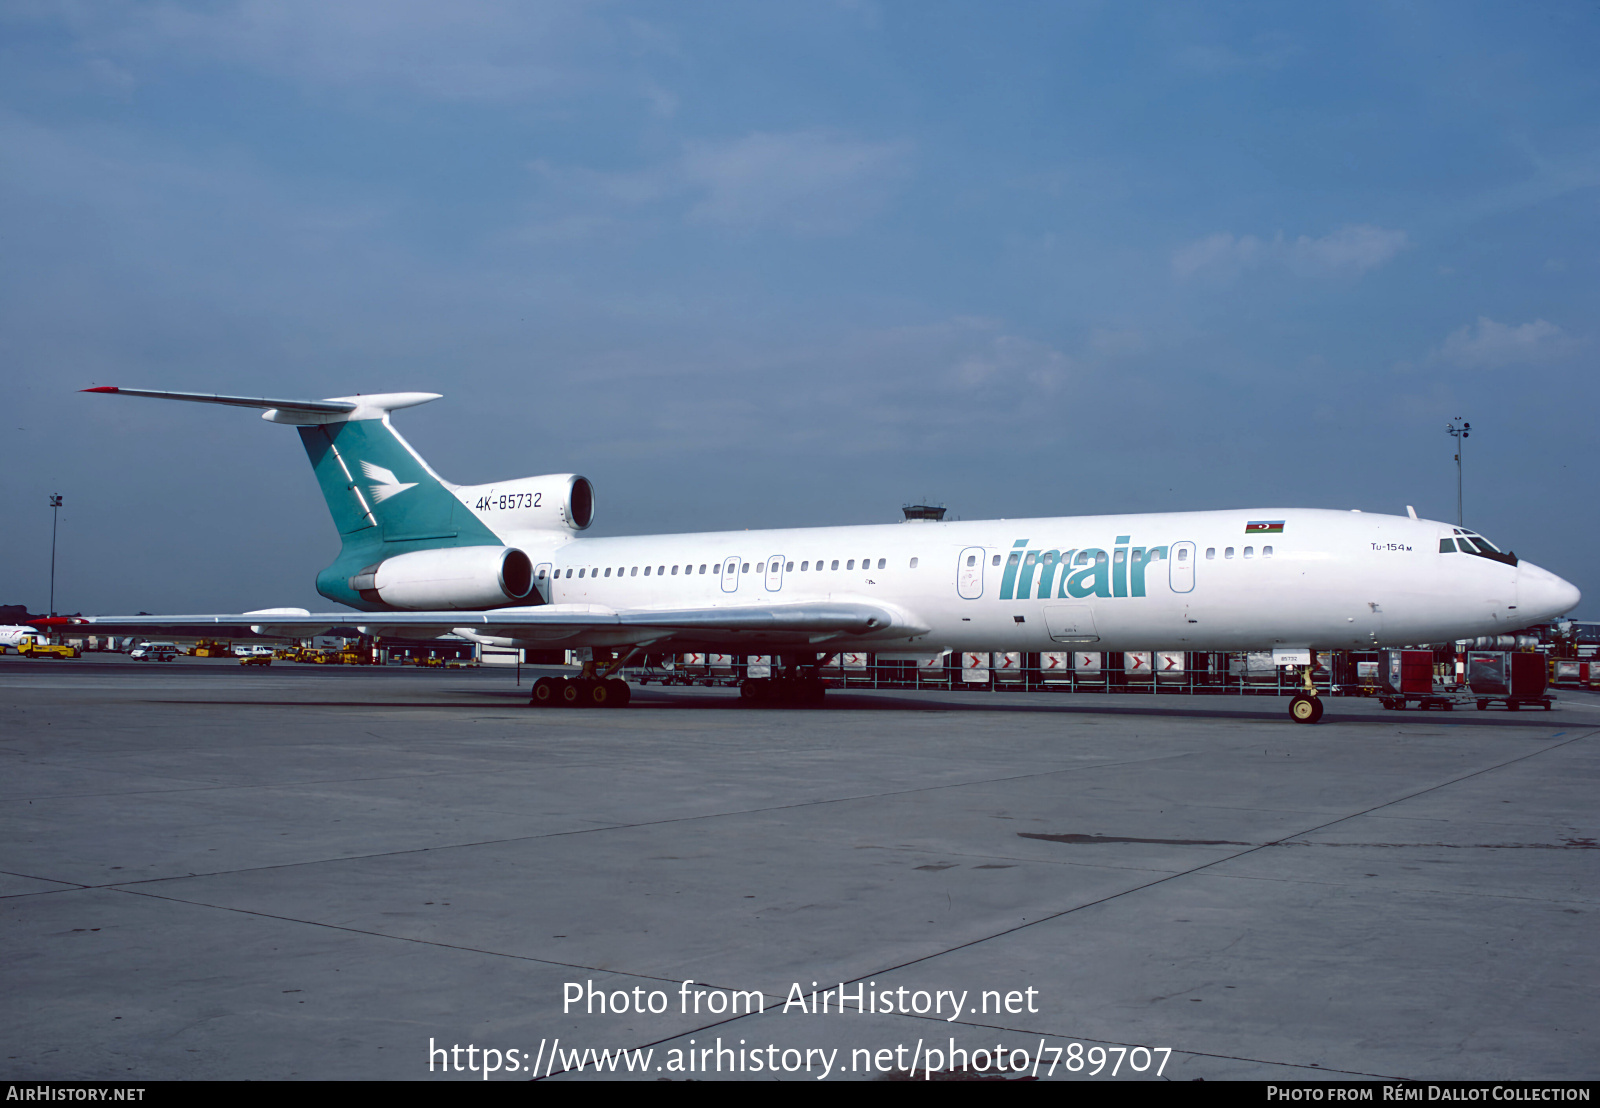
<point>1458,433</point>
<point>55,515</point>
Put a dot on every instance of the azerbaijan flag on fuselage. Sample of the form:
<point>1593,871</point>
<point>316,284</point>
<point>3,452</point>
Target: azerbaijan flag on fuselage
<point>1264,527</point>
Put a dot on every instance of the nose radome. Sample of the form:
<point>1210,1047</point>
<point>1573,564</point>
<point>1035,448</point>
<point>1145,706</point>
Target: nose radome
<point>1542,595</point>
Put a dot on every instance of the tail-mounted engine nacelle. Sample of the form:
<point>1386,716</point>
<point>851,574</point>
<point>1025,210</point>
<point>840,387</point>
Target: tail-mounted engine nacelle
<point>554,502</point>
<point>462,578</point>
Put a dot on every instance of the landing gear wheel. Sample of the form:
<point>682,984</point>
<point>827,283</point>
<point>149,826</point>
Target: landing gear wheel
<point>1305,709</point>
<point>546,692</point>
<point>620,691</point>
<point>1513,705</point>
<point>570,693</point>
<point>1483,705</point>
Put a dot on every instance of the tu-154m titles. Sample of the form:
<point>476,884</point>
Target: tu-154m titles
<point>508,564</point>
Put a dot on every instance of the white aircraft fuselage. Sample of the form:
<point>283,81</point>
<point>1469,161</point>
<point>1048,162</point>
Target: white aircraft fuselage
<point>1183,581</point>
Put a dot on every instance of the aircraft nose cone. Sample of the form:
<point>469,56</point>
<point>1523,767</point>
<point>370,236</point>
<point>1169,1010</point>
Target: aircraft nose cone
<point>1542,595</point>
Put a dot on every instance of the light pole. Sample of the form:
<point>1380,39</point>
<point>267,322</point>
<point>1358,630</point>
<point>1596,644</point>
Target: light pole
<point>55,515</point>
<point>1458,433</point>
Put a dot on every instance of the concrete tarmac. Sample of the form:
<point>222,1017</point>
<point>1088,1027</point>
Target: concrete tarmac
<point>209,871</point>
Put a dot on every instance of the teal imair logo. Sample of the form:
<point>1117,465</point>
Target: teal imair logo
<point>1078,572</point>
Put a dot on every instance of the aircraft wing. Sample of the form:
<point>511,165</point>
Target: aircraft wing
<point>577,624</point>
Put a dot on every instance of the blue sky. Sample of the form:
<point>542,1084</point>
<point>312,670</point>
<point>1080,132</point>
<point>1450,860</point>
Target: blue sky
<point>751,265</point>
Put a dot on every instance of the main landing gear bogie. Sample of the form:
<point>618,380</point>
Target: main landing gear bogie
<point>580,692</point>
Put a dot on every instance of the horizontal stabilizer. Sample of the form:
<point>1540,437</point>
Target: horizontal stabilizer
<point>332,409</point>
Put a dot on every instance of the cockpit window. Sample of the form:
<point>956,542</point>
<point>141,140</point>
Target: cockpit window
<point>1447,546</point>
<point>1470,542</point>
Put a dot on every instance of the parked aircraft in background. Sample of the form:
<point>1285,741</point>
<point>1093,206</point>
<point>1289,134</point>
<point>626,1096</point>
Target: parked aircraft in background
<point>12,636</point>
<point>507,563</point>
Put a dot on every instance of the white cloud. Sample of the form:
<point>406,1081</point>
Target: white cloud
<point>1347,252</point>
<point>1491,345</point>
<point>963,355</point>
<point>805,181</point>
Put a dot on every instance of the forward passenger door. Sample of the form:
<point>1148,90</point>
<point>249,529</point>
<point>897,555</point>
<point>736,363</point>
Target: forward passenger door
<point>969,573</point>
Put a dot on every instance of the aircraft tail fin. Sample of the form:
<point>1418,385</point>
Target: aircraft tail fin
<point>384,499</point>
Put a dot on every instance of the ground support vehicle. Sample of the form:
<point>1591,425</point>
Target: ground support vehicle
<point>256,660</point>
<point>29,648</point>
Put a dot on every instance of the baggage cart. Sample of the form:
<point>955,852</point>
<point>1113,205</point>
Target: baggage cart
<point>1406,677</point>
<point>1516,680</point>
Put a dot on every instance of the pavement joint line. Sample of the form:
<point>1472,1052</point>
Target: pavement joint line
<point>702,1028</point>
<point>758,811</point>
<point>125,886</point>
<point>596,764</point>
<point>405,938</point>
<point>822,802</point>
<point>1229,858</point>
<point>54,880</point>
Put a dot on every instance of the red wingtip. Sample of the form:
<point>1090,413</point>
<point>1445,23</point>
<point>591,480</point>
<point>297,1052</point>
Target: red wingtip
<point>102,388</point>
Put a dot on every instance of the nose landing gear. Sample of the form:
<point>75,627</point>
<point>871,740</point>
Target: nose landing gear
<point>1306,707</point>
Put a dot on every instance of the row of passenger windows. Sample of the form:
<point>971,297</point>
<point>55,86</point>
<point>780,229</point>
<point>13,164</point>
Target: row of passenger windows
<point>1050,557</point>
<point>760,567</point>
<point>1227,552</point>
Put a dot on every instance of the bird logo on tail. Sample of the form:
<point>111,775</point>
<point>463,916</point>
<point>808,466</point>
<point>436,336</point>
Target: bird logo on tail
<point>386,484</point>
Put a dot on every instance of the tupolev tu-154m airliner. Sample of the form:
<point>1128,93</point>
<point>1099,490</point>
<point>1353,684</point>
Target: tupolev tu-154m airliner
<point>507,564</point>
